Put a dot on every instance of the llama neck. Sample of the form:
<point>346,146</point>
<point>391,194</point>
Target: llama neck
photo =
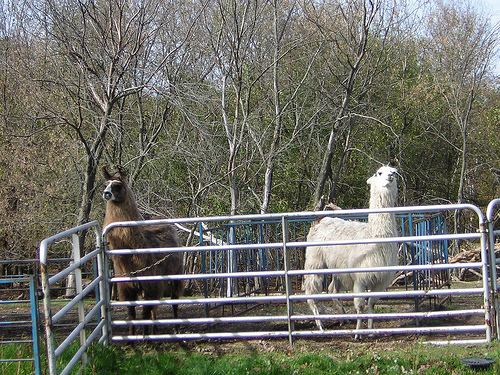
<point>123,211</point>
<point>123,237</point>
<point>382,224</point>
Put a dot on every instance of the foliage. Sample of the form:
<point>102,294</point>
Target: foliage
<point>213,107</point>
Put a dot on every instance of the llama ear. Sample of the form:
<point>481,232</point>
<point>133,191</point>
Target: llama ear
<point>105,173</point>
<point>393,163</point>
<point>122,172</point>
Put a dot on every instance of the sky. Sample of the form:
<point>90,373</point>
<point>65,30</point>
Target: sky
<point>493,6</point>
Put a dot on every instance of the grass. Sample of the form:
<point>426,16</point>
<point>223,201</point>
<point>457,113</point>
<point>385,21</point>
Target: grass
<point>268,358</point>
<point>384,355</point>
<point>9,365</point>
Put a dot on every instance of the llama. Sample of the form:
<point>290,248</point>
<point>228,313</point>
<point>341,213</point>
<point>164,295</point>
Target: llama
<point>383,193</point>
<point>121,206</point>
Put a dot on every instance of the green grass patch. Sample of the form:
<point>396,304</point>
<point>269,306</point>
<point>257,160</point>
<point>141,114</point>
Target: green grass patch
<point>204,359</point>
<point>9,359</point>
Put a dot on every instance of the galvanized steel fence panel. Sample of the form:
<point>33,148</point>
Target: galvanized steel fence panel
<point>219,317</point>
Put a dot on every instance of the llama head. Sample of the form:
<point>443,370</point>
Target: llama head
<point>116,188</point>
<point>384,177</point>
<point>384,187</point>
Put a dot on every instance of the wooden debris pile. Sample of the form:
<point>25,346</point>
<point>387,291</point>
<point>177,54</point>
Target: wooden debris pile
<point>470,256</point>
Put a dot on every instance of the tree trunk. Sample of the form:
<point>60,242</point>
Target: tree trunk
<point>335,179</point>
<point>94,155</point>
<point>268,177</point>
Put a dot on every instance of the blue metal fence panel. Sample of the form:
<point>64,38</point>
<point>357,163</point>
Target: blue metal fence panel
<point>430,252</point>
<point>267,231</point>
<point>20,319</point>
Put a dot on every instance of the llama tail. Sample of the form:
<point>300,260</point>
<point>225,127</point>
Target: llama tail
<point>313,284</point>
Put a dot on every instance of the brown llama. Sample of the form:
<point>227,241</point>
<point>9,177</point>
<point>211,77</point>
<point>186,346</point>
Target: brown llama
<point>121,206</point>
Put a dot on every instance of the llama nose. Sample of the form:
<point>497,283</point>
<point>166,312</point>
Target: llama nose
<point>107,195</point>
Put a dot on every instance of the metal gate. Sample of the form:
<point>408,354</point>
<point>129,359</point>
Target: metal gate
<point>281,311</point>
<point>70,327</point>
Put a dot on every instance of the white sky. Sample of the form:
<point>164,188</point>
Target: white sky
<point>493,7</point>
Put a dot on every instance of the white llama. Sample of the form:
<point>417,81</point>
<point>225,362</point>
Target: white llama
<point>383,194</point>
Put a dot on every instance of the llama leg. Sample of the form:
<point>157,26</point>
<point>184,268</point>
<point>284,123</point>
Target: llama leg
<point>131,316</point>
<point>371,304</point>
<point>154,316</point>
<point>126,293</point>
<point>152,291</point>
<point>359,303</point>
<point>177,292</point>
<point>334,287</point>
<point>379,287</point>
<point>147,313</point>
<point>313,285</point>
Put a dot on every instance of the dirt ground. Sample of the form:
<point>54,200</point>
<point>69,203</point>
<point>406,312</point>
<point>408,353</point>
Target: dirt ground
<point>19,314</point>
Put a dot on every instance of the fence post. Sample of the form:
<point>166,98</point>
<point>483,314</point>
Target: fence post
<point>108,288</point>
<point>232,286</point>
<point>78,291</point>
<point>34,324</point>
<point>493,264</point>
<point>102,292</point>
<point>44,275</point>
<point>288,282</point>
<point>485,269</point>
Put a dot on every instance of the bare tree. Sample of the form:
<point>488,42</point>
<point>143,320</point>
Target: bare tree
<point>461,46</point>
<point>112,53</point>
<point>348,28</point>
<point>231,27</point>
<point>284,43</point>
